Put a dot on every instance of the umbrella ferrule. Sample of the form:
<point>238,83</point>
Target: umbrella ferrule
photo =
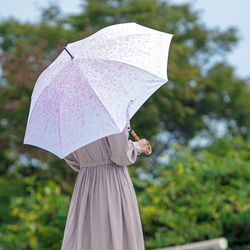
<point>68,52</point>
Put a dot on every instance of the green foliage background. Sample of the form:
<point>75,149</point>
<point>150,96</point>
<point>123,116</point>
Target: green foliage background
<point>201,195</point>
<point>198,194</point>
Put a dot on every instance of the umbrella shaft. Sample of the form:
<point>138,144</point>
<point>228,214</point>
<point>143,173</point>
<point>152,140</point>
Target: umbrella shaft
<point>137,139</point>
<point>134,135</point>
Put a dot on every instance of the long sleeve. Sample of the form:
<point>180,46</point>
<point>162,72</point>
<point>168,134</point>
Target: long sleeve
<point>72,162</point>
<point>123,151</point>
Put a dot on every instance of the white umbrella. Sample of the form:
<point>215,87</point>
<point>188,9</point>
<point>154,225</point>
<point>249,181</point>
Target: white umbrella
<point>95,86</point>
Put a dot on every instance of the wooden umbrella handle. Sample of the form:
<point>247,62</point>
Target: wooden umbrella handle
<point>137,139</point>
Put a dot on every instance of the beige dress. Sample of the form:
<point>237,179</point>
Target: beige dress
<point>103,212</point>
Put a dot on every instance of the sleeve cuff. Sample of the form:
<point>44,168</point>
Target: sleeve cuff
<point>137,148</point>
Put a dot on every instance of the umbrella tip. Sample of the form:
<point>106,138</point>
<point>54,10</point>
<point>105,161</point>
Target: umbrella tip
<point>64,47</point>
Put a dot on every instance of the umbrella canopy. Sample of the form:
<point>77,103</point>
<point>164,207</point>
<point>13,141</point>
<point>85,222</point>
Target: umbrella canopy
<point>95,86</point>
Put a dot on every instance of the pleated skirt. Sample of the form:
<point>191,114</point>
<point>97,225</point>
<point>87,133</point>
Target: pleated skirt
<point>103,212</point>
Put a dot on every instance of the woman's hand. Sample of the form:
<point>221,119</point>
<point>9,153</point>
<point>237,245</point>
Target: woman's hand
<point>145,148</point>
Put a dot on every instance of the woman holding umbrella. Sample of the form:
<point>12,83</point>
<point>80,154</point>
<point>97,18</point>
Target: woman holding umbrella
<point>103,213</point>
<point>81,104</point>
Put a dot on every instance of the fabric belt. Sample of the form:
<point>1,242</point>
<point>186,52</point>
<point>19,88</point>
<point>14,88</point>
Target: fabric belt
<point>96,163</point>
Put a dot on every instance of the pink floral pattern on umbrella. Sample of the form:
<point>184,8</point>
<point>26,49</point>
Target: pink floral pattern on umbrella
<point>76,101</point>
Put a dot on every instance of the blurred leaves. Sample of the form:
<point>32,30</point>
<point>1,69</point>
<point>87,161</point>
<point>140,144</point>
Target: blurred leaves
<point>39,218</point>
<point>200,195</point>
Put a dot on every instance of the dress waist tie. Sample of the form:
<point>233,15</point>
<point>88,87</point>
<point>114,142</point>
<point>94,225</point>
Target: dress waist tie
<point>96,163</point>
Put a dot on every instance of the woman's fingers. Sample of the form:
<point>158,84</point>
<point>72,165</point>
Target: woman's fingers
<point>145,148</point>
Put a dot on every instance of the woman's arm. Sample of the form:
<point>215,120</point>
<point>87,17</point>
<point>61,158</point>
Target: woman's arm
<point>123,151</point>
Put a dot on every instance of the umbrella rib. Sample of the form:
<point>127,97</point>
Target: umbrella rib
<point>60,120</point>
<point>121,62</point>
<point>99,99</point>
<point>44,88</point>
<point>160,78</point>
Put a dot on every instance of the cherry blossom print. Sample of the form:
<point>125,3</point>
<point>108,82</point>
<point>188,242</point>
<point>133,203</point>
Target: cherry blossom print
<point>78,100</point>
